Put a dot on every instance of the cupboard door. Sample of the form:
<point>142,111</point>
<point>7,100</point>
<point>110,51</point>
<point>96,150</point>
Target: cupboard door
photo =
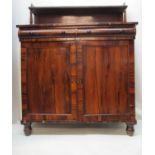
<point>50,81</point>
<point>103,76</point>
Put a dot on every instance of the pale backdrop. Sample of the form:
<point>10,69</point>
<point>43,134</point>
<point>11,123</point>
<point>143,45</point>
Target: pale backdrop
<point>21,16</point>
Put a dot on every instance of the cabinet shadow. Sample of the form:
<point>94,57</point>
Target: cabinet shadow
<point>78,129</point>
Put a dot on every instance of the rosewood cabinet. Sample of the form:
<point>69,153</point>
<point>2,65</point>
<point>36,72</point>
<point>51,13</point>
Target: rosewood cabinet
<point>77,65</point>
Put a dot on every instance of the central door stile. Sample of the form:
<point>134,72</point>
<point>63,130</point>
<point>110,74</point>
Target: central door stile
<point>73,76</point>
<point>80,88</point>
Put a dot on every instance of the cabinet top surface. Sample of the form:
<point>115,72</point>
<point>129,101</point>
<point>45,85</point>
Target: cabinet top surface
<point>76,9</point>
<point>103,24</point>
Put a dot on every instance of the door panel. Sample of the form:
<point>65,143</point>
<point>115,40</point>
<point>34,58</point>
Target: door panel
<point>105,79</point>
<point>49,79</point>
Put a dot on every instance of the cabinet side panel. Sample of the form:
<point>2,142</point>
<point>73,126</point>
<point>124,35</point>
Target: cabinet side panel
<point>131,83</point>
<point>24,82</point>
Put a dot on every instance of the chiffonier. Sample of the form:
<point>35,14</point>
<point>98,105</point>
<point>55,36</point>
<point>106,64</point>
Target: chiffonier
<point>77,66</point>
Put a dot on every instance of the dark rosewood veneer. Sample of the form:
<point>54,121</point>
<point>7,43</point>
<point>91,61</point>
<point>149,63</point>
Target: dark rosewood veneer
<point>77,66</point>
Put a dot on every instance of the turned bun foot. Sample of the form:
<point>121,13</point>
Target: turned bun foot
<point>27,129</point>
<point>130,129</point>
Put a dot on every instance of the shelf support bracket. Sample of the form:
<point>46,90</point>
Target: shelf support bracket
<point>31,15</point>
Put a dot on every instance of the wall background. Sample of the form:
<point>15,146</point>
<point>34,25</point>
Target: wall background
<point>20,15</point>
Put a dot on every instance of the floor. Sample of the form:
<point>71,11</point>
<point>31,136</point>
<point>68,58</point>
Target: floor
<point>52,139</point>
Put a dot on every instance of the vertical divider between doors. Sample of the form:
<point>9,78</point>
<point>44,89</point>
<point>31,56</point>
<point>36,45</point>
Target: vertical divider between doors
<point>73,75</point>
<point>80,79</point>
